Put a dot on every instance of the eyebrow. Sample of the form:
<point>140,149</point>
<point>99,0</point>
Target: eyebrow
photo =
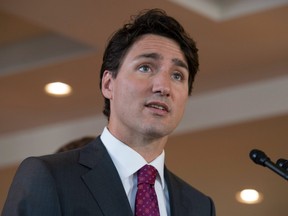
<point>180,63</point>
<point>156,56</point>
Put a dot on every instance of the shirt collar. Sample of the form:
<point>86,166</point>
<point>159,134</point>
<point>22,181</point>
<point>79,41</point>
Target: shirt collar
<point>127,160</point>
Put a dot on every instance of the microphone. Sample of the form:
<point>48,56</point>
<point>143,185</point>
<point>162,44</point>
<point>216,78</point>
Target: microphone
<point>282,163</point>
<point>259,157</point>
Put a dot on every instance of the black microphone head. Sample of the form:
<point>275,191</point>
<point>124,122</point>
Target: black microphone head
<point>259,157</point>
<point>282,163</point>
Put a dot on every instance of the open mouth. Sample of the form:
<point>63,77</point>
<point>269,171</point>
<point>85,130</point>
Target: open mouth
<point>159,106</point>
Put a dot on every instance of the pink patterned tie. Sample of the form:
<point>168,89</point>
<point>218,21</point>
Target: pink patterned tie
<point>146,203</point>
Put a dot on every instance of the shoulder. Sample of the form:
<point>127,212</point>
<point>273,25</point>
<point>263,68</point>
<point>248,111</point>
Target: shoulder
<point>62,162</point>
<point>37,165</point>
<point>52,159</point>
<point>45,167</point>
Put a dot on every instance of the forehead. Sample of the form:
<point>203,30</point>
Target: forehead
<point>151,43</point>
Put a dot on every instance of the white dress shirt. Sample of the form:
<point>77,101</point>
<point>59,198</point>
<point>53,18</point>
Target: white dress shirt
<point>127,162</point>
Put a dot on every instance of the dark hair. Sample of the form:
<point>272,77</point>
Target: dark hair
<point>153,21</point>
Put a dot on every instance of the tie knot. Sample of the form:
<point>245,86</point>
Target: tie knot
<point>147,175</point>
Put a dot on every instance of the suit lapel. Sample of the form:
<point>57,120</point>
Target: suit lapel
<point>103,180</point>
<point>178,205</point>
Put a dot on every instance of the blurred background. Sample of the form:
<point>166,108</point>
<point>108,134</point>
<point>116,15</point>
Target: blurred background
<point>239,102</point>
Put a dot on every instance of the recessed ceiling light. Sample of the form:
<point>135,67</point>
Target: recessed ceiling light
<point>249,196</point>
<point>58,89</point>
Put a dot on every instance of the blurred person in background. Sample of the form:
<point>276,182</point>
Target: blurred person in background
<point>75,144</point>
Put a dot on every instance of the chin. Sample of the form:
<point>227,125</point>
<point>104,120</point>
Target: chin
<point>155,132</point>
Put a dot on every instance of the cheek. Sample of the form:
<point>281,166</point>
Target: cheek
<point>126,92</point>
<point>182,103</point>
<point>134,87</point>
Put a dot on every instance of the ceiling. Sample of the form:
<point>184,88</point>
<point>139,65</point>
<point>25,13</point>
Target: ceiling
<point>240,98</point>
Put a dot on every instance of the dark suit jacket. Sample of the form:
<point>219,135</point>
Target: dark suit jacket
<point>85,182</point>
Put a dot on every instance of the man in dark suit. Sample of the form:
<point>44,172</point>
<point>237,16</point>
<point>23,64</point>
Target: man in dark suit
<point>147,74</point>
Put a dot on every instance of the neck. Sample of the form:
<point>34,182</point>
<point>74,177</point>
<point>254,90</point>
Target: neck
<point>149,151</point>
<point>148,147</point>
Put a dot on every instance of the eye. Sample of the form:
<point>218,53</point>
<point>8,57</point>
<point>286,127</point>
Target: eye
<point>178,76</point>
<point>144,68</point>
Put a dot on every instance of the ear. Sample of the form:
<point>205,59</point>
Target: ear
<point>107,84</point>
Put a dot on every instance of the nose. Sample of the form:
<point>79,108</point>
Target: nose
<point>162,84</point>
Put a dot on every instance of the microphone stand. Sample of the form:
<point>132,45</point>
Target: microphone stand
<point>260,158</point>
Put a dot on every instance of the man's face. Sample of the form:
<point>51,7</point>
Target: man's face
<point>149,94</point>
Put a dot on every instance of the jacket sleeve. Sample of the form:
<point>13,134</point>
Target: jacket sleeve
<point>32,192</point>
